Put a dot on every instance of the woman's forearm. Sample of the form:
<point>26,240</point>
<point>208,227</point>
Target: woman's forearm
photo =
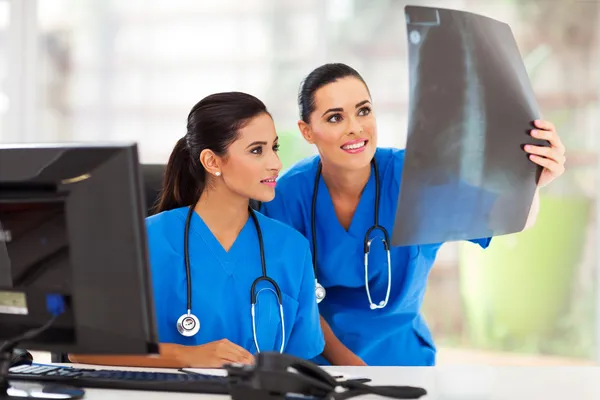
<point>168,358</point>
<point>335,351</point>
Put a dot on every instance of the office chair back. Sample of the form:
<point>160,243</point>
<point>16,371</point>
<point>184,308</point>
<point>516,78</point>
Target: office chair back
<point>153,175</point>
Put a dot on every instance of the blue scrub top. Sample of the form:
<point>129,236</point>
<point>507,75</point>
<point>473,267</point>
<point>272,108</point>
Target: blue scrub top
<point>222,280</point>
<point>396,334</point>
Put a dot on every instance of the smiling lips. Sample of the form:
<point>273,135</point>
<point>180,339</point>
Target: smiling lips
<point>355,146</point>
<point>270,181</point>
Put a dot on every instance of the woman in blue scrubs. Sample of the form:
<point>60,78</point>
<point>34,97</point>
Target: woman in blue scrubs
<point>374,324</point>
<point>227,156</point>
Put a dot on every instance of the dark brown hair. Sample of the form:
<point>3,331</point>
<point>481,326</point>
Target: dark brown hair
<point>319,77</point>
<point>213,124</point>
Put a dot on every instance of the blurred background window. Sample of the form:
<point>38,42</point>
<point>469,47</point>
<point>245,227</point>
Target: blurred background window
<point>113,70</point>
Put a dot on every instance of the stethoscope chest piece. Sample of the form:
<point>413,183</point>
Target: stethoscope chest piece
<point>188,324</point>
<point>320,292</point>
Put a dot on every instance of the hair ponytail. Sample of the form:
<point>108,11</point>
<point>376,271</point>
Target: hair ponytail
<point>183,180</point>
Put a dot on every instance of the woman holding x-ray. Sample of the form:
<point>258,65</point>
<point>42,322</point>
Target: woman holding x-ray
<point>228,281</point>
<point>344,201</point>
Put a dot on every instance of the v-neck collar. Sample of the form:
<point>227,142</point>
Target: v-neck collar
<point>228,259</point>
<point>363,217</point>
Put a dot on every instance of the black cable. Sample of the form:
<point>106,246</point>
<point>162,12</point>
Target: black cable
<point>30,334</point>
<point>394,392</point>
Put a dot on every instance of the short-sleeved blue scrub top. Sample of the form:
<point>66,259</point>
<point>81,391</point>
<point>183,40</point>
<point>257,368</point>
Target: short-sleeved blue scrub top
<point>221,283</point>
<point>396,334</point>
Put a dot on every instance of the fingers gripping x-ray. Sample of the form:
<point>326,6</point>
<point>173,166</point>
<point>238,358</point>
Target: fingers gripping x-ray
<point>465,174</point>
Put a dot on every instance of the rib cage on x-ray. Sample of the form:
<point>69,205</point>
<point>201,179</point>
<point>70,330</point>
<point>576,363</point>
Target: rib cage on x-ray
<point>465,175</point>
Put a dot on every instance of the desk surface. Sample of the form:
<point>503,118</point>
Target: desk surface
<point>442,383</point>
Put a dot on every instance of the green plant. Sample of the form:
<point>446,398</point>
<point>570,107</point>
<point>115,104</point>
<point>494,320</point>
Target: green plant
<point>293,148</point>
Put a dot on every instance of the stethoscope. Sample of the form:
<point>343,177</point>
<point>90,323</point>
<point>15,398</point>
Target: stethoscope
<point>319,289</point>
<point>189,325</point>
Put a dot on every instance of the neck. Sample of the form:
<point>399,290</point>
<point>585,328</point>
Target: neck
<point>222,211</point>
<point>344,182</point>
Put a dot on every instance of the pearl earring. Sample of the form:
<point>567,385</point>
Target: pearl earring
<point>217,173</point>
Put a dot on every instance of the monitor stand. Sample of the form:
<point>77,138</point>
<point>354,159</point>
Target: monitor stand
<point>29,389</point>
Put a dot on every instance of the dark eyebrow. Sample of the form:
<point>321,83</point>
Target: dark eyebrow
<point>262,143</point>
<point>339,109</point>
<point>257,143</point>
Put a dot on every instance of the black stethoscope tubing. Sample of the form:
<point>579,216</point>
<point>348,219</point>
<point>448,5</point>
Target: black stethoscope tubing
<point>319,289</point>
<point>253,295</point>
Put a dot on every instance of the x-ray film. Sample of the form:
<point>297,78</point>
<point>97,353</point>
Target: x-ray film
<point>466,175</point>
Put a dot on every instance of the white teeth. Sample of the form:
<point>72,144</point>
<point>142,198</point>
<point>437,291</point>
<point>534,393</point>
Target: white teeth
<point>354,146</point>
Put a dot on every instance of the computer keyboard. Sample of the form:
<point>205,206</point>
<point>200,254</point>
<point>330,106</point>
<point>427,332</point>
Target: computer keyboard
<point>119,379</point>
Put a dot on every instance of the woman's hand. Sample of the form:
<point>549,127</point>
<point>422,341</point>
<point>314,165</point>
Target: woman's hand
<point>552,158</point>
<point>210,355</point>
<point>214,354</point>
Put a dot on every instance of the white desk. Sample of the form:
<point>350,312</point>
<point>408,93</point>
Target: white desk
<point>442,383</point>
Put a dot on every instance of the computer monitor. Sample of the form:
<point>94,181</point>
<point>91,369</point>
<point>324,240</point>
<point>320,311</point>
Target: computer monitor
<point>72,237</point>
